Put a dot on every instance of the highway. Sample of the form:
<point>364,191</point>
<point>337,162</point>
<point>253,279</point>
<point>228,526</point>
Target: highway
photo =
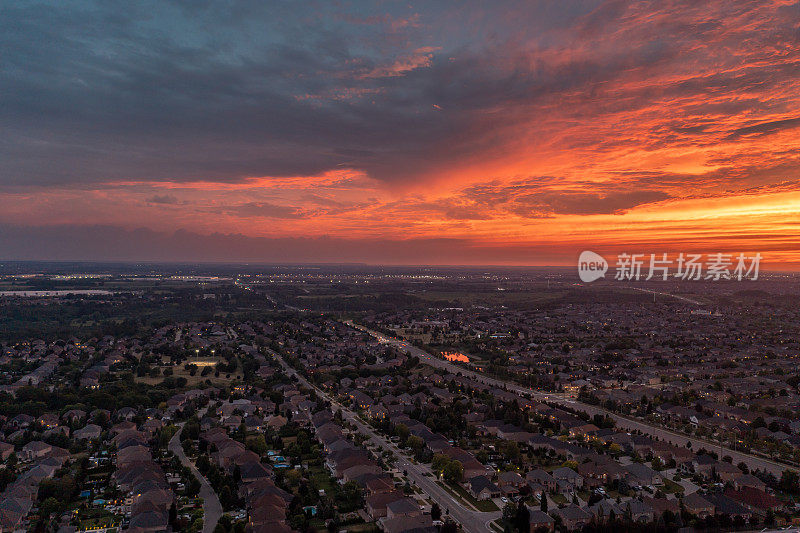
<point>471,521</point>
<point>753,462</point>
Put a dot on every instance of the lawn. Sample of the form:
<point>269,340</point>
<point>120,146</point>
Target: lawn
<point>322,478</point>
<point>486,506</point>
<point>368,527</point>
<point>179,371</point>
<point>670,487</point>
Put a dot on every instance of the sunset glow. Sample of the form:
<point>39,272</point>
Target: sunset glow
<point>455,356</point>
<point>403,133</point>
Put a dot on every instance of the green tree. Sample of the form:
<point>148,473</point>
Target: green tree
<point>50,506</point>
<point>415,443</point>
<point>436,511</point>
<point>439,463</point>
<point>350,495</point>
<point>402,432</point>
<point>789,482</point>
<point>522,517</point>
<point>454,472</point>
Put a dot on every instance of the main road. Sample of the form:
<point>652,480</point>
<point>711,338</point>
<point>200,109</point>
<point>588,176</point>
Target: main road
<point>753,462</point>
<point>212,508</point>
<point>471,521</point>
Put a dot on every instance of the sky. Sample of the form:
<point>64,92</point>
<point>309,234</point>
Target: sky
<point>515,133</point>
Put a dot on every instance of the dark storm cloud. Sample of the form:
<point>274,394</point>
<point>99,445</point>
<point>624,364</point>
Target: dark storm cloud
<point>110,91</point>
<point>536,198</point>
<point>577,203</point>
<point>120,91</point>
<point>766,128</point>
<point>166,199</point>
<point>265,209</point>
<point>134,91</point>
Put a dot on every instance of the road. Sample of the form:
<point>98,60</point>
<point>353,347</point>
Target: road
<point>677,297</point>
<point>628,424</point>
<point>212,508</point>
<point>471,521</point>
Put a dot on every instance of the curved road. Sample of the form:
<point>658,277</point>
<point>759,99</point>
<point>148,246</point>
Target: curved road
<point>752,461</point>
<point>212,508</point>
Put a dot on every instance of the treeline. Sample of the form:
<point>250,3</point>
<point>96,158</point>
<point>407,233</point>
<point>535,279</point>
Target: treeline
<point>36,401</point>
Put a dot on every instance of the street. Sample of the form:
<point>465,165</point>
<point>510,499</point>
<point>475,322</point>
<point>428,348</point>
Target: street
<point>471,521</point>
<point>753,462</point>
<point>212,508</point>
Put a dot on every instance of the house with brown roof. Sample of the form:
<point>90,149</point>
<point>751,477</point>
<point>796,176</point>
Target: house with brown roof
<point>538,520</point>
<point>697,505</point>
<point>376,503</point>
<point>542,478</point>
<point>572,516</point>
<point>6,450</point>
<point>35,450</point>
<point>756,500</point>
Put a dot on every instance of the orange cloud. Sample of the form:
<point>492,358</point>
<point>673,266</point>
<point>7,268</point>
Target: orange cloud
<point>651,127</point>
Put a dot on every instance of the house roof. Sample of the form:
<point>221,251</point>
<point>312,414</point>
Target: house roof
<point>535,516</point>
<point>480,483</point>
<point>695,501</point>
<point>572,512</point>
<point>403,506</point>
<point>754,498</point>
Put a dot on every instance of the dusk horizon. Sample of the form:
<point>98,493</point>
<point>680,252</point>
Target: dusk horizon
<point>399,133</point>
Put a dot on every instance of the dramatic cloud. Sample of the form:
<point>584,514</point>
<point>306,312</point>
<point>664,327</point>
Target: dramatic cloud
<point>163,199</point>
<point>495,126</point>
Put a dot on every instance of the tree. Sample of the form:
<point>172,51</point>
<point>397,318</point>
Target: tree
<point>292,478</point>
<point>482,456</point>
<point>543,504</point>
<point>454,472</point>
<point>257,445</point>
<point>439,463</point>
<point>509,513</point>
<point>225,522</point>
<point>449,527</point>
<point>789,482</point>
<point>193,487</point>
<point>522,517</point>
<point>436,511</point>
<point>351,495</point>
<point>510,449</point>
<point>50,506</point>
<point>402,432</point>
<point>415,443</point>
